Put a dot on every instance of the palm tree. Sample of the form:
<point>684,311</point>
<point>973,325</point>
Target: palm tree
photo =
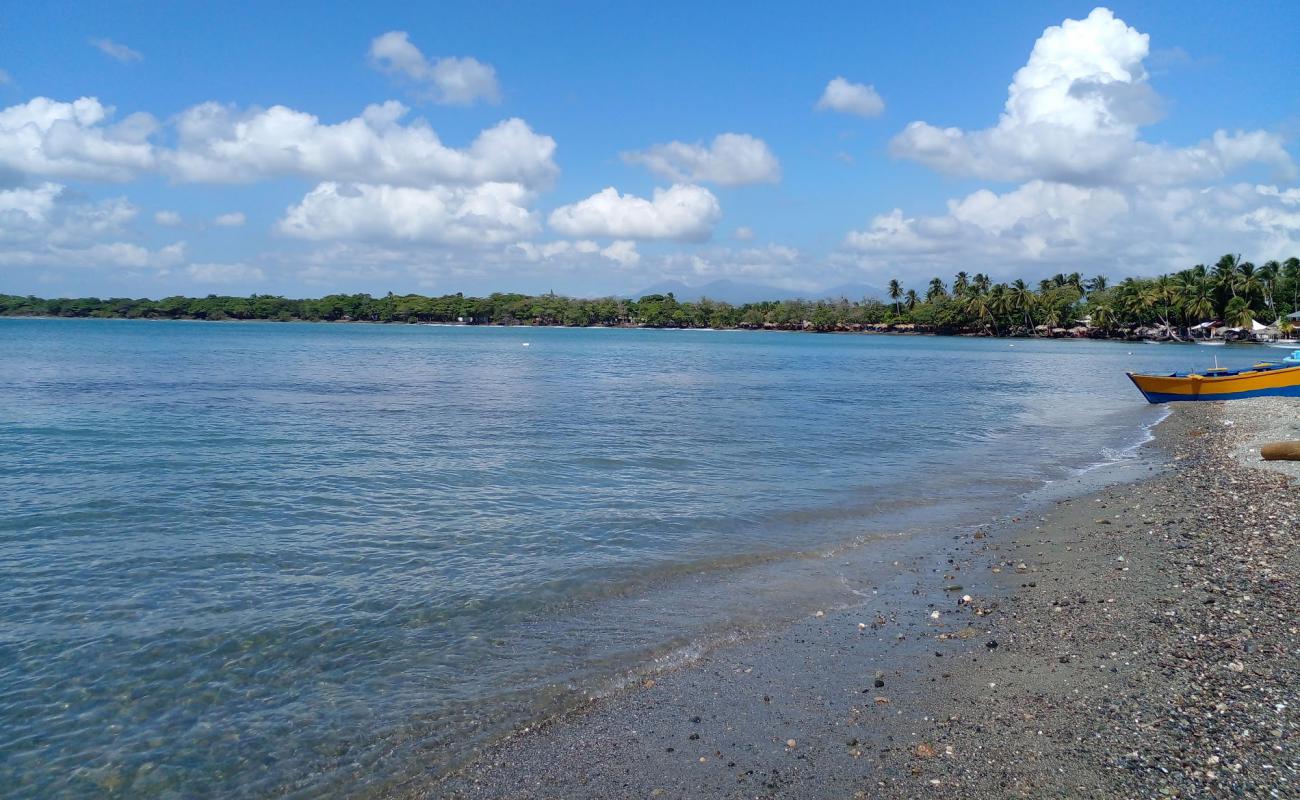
<point>1238,313</point>
<point>895,291</point>
<point>1097,284</point>
<point>1022,299</point>
<point>1268,274</point>
<point>1248,284</point>
<point>980,282</point>
<point>1103,317</point>
<point>1225,273</point>
<point>961,283</point>
<point>1198,299</point>
<point>980,306</point>
<point>936,290</point>
<point>911,299</point>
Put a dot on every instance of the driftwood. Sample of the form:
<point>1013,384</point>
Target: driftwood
<point>1281,451</point>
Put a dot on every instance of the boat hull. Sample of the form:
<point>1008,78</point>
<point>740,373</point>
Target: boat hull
<point>1267,383</point>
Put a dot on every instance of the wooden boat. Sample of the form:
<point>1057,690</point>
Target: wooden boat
<point>1264,379</point>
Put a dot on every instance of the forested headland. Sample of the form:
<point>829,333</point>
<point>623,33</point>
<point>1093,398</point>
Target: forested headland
<point>1232,291</point>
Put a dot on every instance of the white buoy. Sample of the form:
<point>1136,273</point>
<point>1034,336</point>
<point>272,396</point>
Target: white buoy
<point>525,344</point>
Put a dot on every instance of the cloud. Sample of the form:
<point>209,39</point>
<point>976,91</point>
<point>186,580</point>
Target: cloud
<point>1092,196</point>
<point>167,219</point>
<point>452,81</point>
<point>5,78</point>
<point>1073,114</point>
<point>743,234</point>
<point>219,144</point>
<point>47,138</point>
<point>45,225</point>
<point>490,213</point>
<point>1042,227</point>
<point>224,273</point>
<point>622,251</point>
<point>775,264</point>
<point>115,51</point>
<point>234,219</point>
<point>732,159</point>
<point>683,212</point>
<point>851,98</point>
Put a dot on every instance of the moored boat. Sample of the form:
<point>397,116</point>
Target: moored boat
<point>1264,379</point>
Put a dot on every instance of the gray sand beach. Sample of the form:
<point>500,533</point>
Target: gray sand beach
<point>1139,641</point>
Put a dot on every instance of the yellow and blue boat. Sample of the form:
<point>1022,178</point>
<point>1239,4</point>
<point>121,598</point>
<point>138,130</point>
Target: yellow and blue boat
<point>1264,379</point>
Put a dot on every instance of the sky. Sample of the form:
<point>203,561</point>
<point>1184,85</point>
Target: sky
<point>151,149</point>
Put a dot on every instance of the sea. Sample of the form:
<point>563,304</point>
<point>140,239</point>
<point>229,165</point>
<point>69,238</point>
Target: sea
<point>332,560</point>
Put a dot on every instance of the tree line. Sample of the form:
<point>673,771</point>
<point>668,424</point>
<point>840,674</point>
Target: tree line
<point>1232,291</point>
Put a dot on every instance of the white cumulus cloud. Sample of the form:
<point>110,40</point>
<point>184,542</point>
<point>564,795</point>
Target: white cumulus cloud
<point>167,219</point>
<point>1073,114</point>
<point>683,212</point>
<point>731,159</point>
<point>1093,196</point>
<point>622,251</point>
<point>232,220</point>
<point>45,225</point>
<point>847,97</point>
<point>453,81</point>
<point>490,213</point>
<point>220,144</point>
<point>48,138</point>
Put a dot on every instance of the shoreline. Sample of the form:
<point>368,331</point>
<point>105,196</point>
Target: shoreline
<point>737,329</point>
<point>1056,680</point>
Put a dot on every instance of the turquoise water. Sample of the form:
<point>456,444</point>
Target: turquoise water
<point>249,560</point>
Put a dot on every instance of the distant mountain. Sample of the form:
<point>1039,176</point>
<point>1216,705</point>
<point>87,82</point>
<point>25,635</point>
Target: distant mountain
<point>729,291</point>
<point>852,291</point>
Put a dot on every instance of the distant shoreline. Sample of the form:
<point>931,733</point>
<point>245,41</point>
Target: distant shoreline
<point>1097,335</point>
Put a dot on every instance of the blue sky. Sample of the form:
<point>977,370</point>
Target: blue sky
<point>628,144</point>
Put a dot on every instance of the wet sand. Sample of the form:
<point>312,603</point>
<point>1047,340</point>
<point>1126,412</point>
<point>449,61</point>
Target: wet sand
<point>1139,641</point>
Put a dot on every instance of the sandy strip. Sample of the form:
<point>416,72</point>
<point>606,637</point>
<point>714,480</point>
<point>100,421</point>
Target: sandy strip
<point>1141,641</point>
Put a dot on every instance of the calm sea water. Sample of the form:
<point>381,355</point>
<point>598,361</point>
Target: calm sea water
<point>249,560</point>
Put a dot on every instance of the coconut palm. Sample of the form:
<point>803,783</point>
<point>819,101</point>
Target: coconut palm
<point>1268,274</point>
<point>1103,317</point>
<point>1238,313</point>
<point>980,282</point>
<point>1225,273</point>
<point>1248,282</point>
<point>1097,284</point>
<point>895,291</point>
<point>960,283</point>
<point>980,306</point>
<point>936,290</point>
<point>911,299</point>
<point>1197,299</point>
<point>1022,299</point>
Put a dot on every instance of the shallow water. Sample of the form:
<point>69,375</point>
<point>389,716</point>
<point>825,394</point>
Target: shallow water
<point>324,560</point>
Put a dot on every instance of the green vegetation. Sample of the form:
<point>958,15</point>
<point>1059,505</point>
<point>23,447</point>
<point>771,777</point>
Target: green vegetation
<point>1232,291</point>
